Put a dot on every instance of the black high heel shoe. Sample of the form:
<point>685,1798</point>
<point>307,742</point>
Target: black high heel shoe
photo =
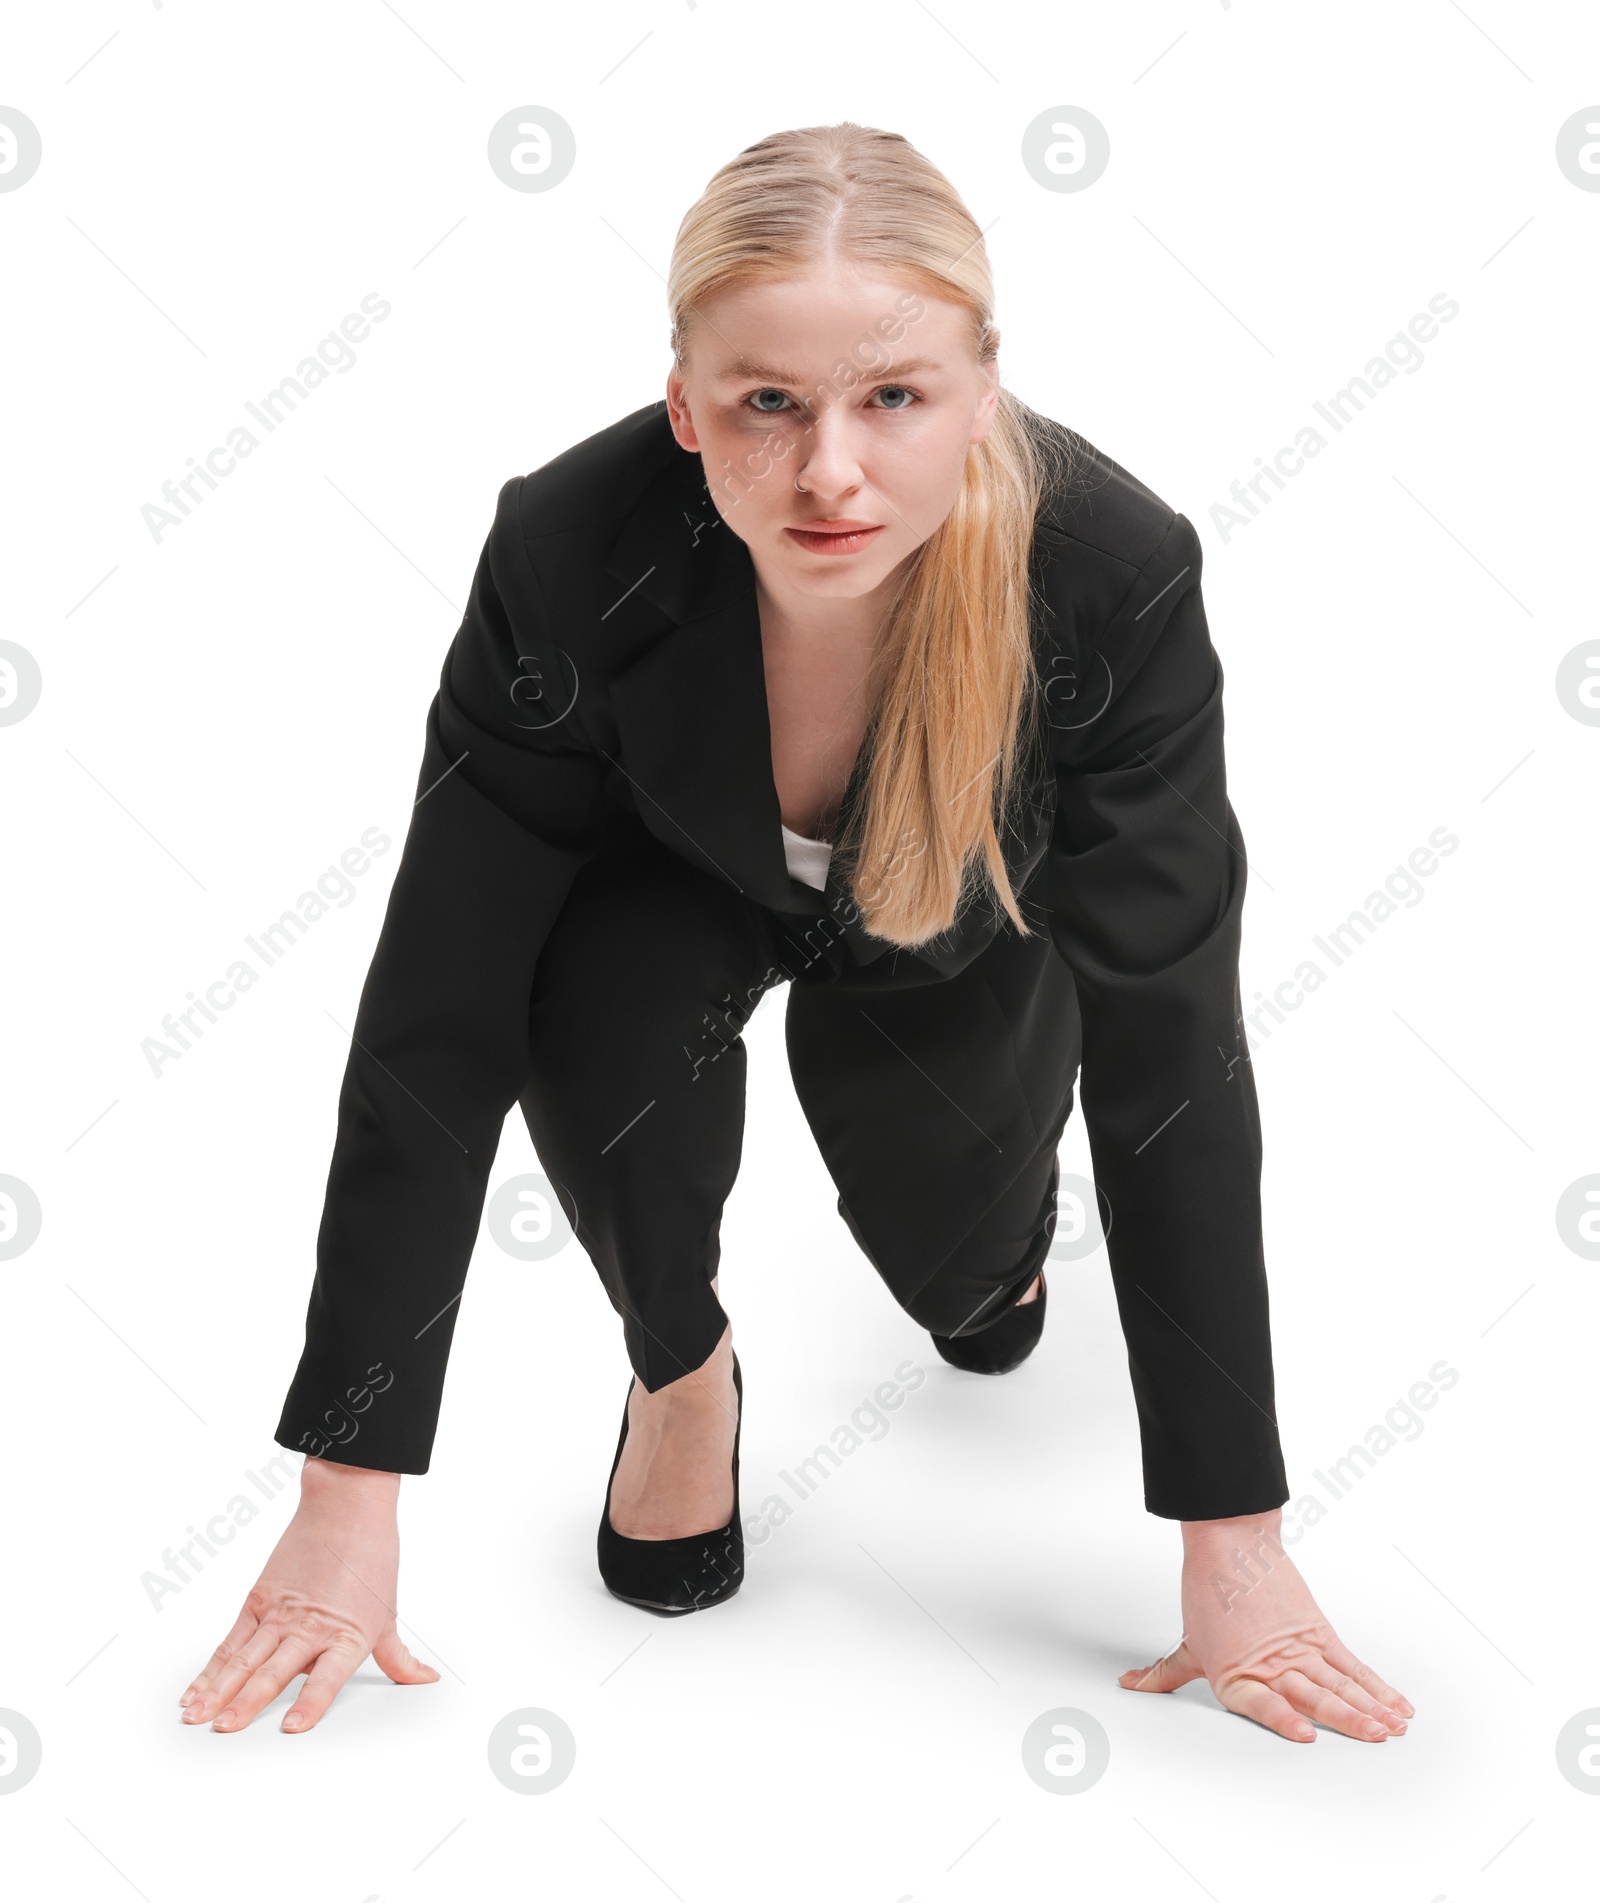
<point>674,1576</point>
<point>1002,1347</point>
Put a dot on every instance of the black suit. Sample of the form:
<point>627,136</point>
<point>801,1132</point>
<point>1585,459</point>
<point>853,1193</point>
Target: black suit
<point>595,857</point>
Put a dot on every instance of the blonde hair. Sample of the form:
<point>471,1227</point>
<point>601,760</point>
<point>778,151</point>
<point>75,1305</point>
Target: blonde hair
<point>953,680</point>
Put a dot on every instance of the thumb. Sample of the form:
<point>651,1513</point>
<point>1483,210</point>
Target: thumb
<point>391,1654</point>
<point>1166,1675</point>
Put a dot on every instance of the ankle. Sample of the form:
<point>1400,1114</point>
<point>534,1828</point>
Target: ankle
<point>709,1390</point>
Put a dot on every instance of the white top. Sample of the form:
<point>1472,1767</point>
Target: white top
<point>807,859</point>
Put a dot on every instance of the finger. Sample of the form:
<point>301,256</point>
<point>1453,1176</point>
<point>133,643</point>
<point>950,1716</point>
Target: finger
<point>324,1682</point>
<point>292,1657</point>
<point>1328,1708</point>
<point>239,1632</point>
<point>1251,1699</point>
<point>1337,1653</point>
<point>1166,1675</point>
<point>228,1670</point>
<point>391,1655</point>
<point>1332,1679</point>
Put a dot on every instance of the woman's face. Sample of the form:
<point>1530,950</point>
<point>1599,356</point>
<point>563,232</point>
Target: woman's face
<point>862,389</point>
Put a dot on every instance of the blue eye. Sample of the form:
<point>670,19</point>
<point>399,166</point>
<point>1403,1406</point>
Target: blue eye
<point>766,408</point>
<point>891,389</point>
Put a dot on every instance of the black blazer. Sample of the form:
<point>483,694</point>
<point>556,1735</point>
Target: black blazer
<point>610,656</point>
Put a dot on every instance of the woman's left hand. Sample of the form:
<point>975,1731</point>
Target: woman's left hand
<point>1252,1630</point>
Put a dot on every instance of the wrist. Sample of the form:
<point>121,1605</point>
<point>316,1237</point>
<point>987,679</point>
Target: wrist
<point>1245,1530</point>
<point>319,1476</point>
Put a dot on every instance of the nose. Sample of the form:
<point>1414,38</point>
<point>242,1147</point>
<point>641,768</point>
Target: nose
<point>829,466</point>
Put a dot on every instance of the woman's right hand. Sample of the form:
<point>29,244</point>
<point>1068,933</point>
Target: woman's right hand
<point>324,1601</point>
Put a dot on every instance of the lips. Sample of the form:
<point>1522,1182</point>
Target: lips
<point>840,536</point>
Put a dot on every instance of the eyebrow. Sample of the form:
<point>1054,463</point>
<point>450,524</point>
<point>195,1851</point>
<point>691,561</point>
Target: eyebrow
<point>743,368</point>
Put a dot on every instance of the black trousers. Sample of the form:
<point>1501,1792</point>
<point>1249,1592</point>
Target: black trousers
<point>938,1107</point>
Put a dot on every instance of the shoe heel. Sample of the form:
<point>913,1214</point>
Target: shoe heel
<point>671,1577</point>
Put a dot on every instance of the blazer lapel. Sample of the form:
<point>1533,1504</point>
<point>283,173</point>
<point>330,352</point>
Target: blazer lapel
<point>691,705</point>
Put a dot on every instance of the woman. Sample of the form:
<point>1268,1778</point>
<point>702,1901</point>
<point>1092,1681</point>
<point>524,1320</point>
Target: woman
<point>841,668</point>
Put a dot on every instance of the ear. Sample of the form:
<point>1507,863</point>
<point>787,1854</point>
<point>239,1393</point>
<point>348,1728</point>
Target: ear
<point>988,403</point>
<point>678,412</point>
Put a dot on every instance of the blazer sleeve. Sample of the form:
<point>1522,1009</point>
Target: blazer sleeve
<point>1147,883</point>
<point>508,809</point>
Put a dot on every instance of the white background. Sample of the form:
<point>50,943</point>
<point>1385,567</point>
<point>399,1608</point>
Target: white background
<point>225,712</point>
